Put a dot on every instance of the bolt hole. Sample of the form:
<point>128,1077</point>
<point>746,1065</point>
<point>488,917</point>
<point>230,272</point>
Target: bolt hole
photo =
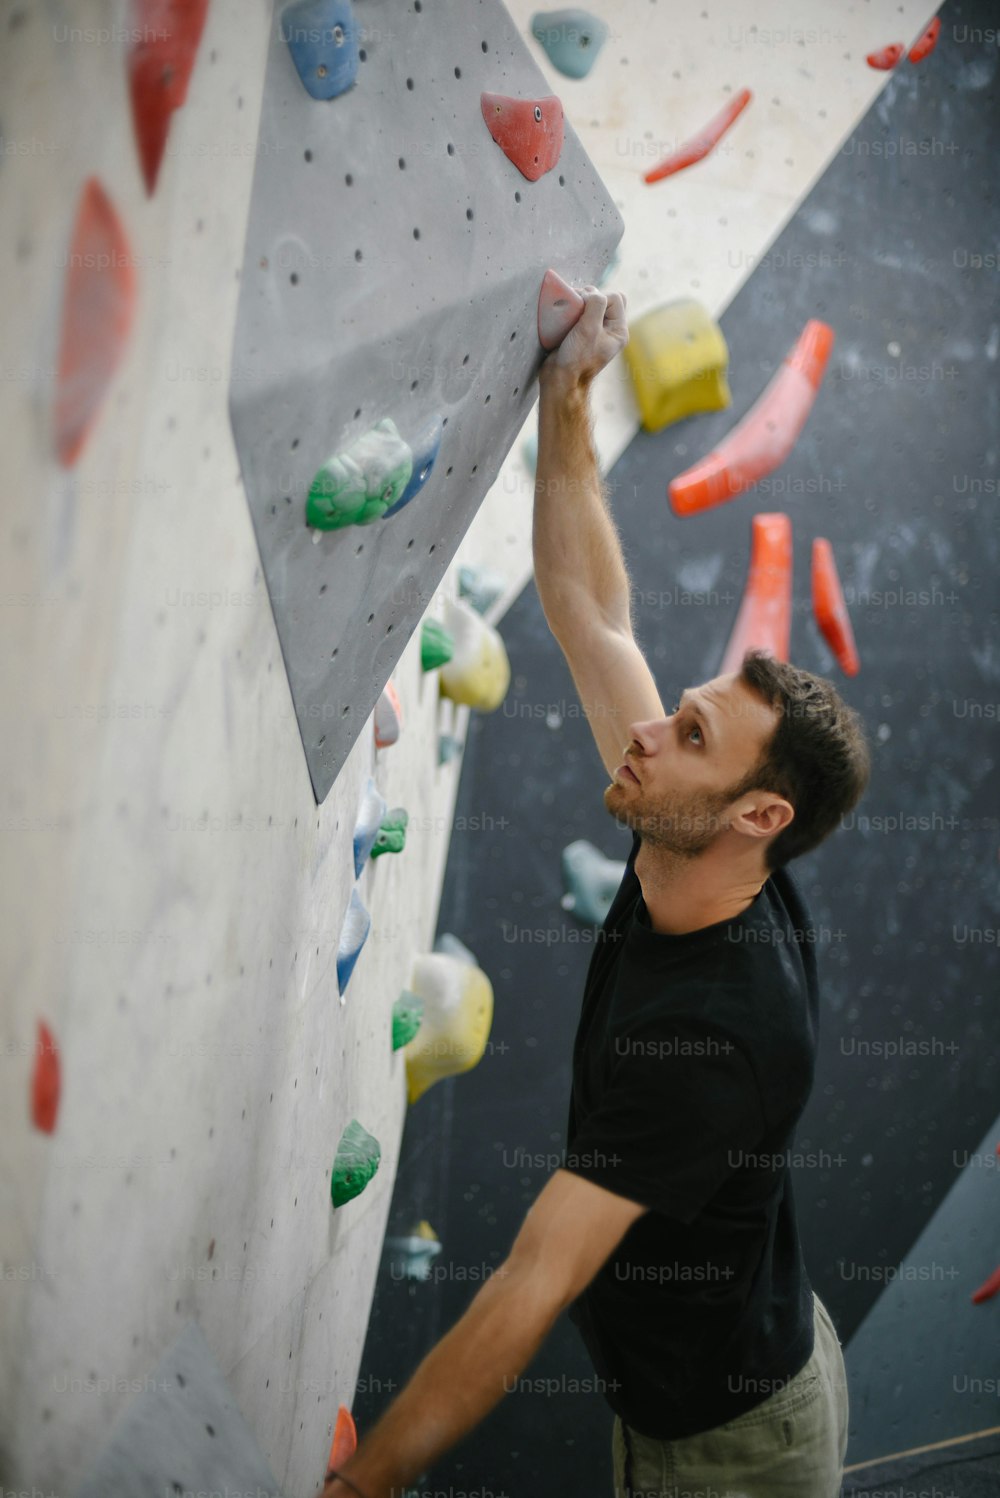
<point>429,550</point>
<point>308,155</point>
<point>458,72</point>
<point>357,413</point>
<point>416,233</point>
<point>447,472</point>
<point>517,197</point>
<point>409,84</point>
<point>295,443</point>
<point>370,618</point>
<point>484,46</point>
<point>402,164</point>
<point>357,254</point>
<point>294,278</point>
<point>409,544</point>
<point>468,214</point>
<point>465,360</point>
<point>451,149</point>
<point>349,179</point>
<point>538,117</point>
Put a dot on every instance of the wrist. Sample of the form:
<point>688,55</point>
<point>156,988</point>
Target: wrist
<point>561,384</point>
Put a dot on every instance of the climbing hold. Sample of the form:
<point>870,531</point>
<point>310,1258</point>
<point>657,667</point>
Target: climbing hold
<point>163,43</point>
<point>987,1289</point>
<point>700,145</point>
<point>322,37</point>
<point>763,439</point>
<point>592,881</point>
<point>345,1439</point>
<point>45,1080</point>
<point>528,131</point>
<point>358,1156</point>
<point>448,748</point>
<point>458,1012</point>
<point>477,673</point>
<point>357,486</point>
<point>571,38</point>
<point>830,608</point>
<point>98,303</point>
<point>410,1256</point>
<point>407,1012</point>
<point>448,943</point>
<point>559,309</point>
<point>388,717</point>
<point>765,614</point>
<point>436,644</point>
<point>886,57</point>
<point>370,813</point>
<point>529,450</point>
<point>353,935</point>
<point>925,46</point>
<point>611,266</point>
<point>678,359</point>
<point>480,587</point>
<point>391,836</point>
<point>425,448</point>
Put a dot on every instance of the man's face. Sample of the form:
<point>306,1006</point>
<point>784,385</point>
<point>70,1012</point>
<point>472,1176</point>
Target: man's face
<point>684,767</point>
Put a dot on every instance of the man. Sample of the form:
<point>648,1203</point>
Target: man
<point>670,1235</point>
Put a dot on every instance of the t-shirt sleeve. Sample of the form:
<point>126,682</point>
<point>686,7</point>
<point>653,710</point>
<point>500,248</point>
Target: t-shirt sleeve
<point>681,1108</point>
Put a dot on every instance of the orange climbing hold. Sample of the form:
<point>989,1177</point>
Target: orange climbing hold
<point>345,1439</point>
<point>763,439</point>
<point>830,608</point>
<point>45,1081</point>
<point>559,308</point>
<point>765,615</point>
<point>528,131</point>
<point>699,145</point>
<point>98,302</point>
<point>925,46</point>
<point>886,57</point>
<point>165,36</point>
<point>987,1289</point>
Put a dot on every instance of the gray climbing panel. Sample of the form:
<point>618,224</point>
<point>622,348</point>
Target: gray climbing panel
<point>182,1434</point>
<point>392,267</point>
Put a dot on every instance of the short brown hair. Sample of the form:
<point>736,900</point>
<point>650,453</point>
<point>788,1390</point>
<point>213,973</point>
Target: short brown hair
<point>817,758</point>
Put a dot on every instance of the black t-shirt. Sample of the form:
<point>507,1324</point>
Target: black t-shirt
<point>693,1061</point>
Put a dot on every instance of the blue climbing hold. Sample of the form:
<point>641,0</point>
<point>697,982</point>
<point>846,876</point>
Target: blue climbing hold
<point>322,37</point>
<point>353,935</point>
<point>370,813</point>
<point>571,38</point>
<point>424,447</point>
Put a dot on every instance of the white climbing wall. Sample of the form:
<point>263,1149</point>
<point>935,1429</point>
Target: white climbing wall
<point>172,897</point>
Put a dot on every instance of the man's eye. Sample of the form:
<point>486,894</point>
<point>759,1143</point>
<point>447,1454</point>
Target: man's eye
<point>696,730</point>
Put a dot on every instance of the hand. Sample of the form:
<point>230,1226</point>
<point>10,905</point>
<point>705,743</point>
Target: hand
<point>600,333</point>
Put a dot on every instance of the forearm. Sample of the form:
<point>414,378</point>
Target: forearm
<point>456,1385</point>
<point>579,567</point>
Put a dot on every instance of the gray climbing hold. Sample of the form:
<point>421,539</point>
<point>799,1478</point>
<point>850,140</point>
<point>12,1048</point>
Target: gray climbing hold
<point>480,587</point>
<point>592,882</point>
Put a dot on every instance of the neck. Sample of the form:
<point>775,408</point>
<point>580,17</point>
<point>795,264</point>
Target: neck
<point>685,894</point>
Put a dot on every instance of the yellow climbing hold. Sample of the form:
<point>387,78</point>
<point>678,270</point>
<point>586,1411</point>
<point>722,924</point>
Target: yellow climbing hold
<point>678,359</point>
<point>458,1013</point>
<point>478,673</point>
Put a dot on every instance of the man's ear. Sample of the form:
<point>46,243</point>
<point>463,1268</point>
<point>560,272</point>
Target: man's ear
<point>764,816</point>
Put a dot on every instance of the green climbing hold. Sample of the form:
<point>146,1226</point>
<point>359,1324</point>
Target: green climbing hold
<point>407,1012</point>
<point>358,1156</point>
<point>391,835</point>
<point>436,644</point>
<point>448,748</point>
<point>357,486</point>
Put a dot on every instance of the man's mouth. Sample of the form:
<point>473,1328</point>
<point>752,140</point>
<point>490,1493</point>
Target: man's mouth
<point>627,770</point>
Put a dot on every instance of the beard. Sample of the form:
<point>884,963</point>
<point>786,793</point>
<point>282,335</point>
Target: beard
<point>685,825</point>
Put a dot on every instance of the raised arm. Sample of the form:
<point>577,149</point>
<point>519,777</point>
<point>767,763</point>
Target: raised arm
<point>580,572</point>
<point>571,1229</point>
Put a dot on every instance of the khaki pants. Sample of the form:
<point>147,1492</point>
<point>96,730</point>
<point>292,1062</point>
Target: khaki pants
<point>790,1446</point>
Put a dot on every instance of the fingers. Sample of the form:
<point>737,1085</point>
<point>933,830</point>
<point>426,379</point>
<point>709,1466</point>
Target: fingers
<point>616,308</point>
<point>595,305</point>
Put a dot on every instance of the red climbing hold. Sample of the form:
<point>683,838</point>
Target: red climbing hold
<point>830,608</point>
<point>765,614</point>
<point>98,302</point>
<point>345,1439</point>
<point>925,46</point>
<point>559,308</point>
<point>987,1289</point>
<point>165,36</point>
<point>45,1081</point>
<point>766,435</point>
<point>699,145</point>
<point>886,57</point>
<point>528,131</point>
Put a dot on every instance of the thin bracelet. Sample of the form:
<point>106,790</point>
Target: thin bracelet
<point>341,1478</point>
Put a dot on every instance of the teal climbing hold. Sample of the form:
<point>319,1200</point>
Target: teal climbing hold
<point>357,1160</point>
<point>592,882</point>
<point>357,486</point>
<point>322,38</point>
<point>391,836</point>
<point>450,945</point>
<point>571,38</point>
<point>448,748</point>
<point>425,448</point>
<point>436,644</point>
<point>529,451</point>
<point>353,935</point>
<point>609,269</point>
<point>407,1012</point>
<point>480,587</point>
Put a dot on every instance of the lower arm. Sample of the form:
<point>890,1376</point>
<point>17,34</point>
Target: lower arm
<point>456,1385</point>
<point>579,567</point>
